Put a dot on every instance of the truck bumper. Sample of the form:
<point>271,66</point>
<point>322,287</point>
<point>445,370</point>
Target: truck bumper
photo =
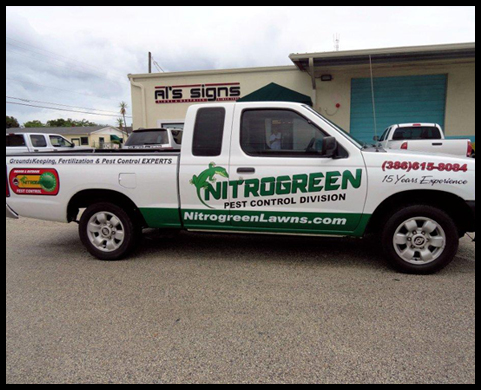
<point>10,213</point>
<point>472,206</point>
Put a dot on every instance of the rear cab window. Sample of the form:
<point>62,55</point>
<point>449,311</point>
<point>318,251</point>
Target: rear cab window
<point>15,141</point>
<point>151,137</point>
<point>209,132</point>
<point>417,133</point>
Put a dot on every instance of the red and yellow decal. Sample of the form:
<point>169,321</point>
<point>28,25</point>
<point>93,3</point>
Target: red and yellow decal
<point>43,182</point>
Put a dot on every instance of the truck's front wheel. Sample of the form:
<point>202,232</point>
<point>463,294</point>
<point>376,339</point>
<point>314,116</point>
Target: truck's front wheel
<point>108,232</point>
<point>420,240</point>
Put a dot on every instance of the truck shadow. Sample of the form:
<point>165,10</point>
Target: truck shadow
<point>339,252</point>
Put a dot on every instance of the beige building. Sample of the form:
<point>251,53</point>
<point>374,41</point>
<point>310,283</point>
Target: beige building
<point>410,84</point>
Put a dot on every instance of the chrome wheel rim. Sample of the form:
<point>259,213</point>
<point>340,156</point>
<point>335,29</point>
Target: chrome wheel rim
<point>106,232</point>
<point>420,241</point>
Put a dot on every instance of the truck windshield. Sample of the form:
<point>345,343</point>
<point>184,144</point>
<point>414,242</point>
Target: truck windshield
<point>359,144</point>
<point>151,137</point>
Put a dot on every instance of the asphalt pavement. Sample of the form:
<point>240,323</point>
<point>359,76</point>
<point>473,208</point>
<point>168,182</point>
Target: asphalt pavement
<point>231,309</point>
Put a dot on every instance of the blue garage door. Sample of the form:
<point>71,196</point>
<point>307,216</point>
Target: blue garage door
<point>408,99</point>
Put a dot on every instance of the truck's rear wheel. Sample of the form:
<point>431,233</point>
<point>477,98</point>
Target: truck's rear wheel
<point>108,232</point>
<point>420,240</point>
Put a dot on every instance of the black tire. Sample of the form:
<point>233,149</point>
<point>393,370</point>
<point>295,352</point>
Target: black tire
<point>441,218</point>
<point>130,227</point>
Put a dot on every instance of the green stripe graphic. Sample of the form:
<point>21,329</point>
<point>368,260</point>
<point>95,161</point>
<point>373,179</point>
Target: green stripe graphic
<point>259,221</point>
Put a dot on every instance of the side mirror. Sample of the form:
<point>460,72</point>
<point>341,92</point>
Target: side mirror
<point>329,147</point>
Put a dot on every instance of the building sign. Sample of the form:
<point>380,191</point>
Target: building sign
<point>198,93</point>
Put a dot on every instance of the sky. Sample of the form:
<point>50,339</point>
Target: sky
<point>79,57</point>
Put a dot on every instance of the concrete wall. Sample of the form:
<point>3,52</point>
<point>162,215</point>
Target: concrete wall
<point>460,104</point>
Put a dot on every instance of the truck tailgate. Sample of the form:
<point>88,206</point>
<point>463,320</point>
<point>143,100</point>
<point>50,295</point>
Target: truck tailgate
<point>450,147</point>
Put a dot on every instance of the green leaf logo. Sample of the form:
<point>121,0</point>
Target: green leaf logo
<point>48,182</point>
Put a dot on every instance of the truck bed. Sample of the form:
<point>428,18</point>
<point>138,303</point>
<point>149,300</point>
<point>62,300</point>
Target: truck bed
<point>43,184</point>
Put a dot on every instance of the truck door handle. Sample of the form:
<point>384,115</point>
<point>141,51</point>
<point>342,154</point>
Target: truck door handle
<point>438,144</point>
<point>246,170</point>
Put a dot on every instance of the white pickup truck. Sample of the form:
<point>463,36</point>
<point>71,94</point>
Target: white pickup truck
<point>424,137</point>
<point>38,143</point>
<point>263,168</point>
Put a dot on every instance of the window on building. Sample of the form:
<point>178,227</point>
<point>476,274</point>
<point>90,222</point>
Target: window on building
<point>84,141</point>
<point>179,126</point>
<point>279,133</point>
<point>417,133</point>
<point>15,141</point>
<point>38,141</point>
<point>209,132</point>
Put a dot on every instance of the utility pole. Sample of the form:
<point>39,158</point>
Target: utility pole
<point>150,62</point>
<point>337,42</point>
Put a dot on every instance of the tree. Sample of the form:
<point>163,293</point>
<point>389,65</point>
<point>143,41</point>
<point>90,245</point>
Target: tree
<point>32,124</point>
<point>123,111</point>
<point>70,123</point>
<point>60,123</point>
<point>120,123</point>
<point>12,122</point>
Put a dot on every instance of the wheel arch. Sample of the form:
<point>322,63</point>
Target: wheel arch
<point>86,198</point>
<point>453,205</point>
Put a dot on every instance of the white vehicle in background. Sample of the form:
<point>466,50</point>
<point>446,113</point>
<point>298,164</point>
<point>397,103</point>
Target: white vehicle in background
<point>163,139</point>
<point>39,143</point>
<point>424,137</point>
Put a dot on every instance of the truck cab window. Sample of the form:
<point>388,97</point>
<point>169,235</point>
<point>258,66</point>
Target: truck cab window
<point>279,133</point>
<point>385,134</point>
<point>15,141</point>
<point>417,133</point>
<point>209,132</point>
<point>38,141</point>
<point>59,142</point>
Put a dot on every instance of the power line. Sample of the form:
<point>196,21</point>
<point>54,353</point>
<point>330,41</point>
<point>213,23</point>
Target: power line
<point>63,62</point>
<point>62,105</point>
<point>64,66</point>
<point>55,54</point>
<point>59,89</point>
<point>159,68</point>
<point>61,109</point>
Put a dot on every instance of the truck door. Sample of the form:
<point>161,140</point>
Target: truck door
<point>282,182</point>
<point>39,143</point>
<point>204,169</point>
